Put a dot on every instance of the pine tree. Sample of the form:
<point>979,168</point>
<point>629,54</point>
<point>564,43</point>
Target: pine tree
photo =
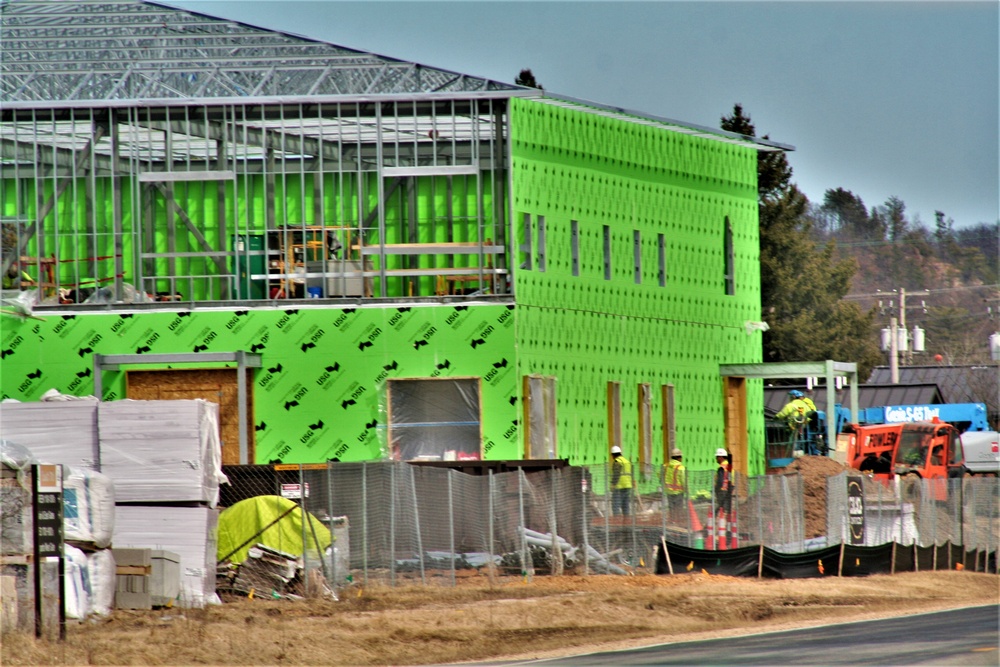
<point>802,286</point>
<point>526,78</point>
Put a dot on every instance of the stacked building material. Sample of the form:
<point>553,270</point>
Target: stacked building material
<point>162,451</point>
<point>188,532</point>
<point>55,431</point>
<point>166,460</point>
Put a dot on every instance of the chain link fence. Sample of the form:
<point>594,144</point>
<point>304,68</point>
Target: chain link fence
<point>863,510</point>
<point>397,523</point>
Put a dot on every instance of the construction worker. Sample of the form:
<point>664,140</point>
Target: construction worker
<point>674,483</point>
<point>723,481</point>
<point>723,497</point>
<point>621,483</point>
<point>807,399</point>
<point>796,413</point>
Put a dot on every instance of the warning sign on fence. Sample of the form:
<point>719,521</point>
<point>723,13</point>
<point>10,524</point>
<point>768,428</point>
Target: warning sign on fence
<point>293,491</point>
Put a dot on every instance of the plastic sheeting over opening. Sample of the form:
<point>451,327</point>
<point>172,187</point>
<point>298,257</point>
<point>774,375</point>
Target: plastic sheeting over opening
<point>435,419</point>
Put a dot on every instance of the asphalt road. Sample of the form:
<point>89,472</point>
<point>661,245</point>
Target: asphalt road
<point>969,636</point>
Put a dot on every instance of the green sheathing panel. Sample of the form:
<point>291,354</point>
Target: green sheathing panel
<point>321,392</point>
<point>79,230</point>
<point>571,165</point>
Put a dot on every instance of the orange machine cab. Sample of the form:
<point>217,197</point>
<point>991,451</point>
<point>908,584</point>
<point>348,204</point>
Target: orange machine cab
<point>931,450</point>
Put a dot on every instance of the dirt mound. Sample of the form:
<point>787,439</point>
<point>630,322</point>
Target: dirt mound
<point>814,471</point>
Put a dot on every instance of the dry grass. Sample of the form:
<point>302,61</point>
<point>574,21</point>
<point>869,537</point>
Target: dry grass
<point>480,620</point>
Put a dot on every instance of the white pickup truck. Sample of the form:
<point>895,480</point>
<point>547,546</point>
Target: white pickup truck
<point>982,452</point>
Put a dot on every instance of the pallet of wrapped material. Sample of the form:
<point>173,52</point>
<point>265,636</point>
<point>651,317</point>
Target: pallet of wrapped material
<point>88,508</point>
<point>55,431</point>
<point>188,532</point>
<point>102,572</point>
<point>162,451</point>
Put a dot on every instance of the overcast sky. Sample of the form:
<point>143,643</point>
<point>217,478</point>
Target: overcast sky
<point>880,98</point>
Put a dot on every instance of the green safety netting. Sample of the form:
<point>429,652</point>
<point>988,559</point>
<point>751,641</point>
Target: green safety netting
<point>273,521</point>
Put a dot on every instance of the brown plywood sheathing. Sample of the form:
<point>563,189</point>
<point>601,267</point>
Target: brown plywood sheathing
<point>217,385</point>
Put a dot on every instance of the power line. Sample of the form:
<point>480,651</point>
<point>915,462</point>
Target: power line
<point>941,290</point>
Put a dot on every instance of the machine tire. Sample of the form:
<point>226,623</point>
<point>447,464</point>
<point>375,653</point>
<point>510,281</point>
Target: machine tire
<point>911,491</point>
<point>968,507</point>
<point>910,488</point>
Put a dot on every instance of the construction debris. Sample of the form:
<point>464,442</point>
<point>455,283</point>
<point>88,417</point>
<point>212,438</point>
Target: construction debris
<point>555,552</point>
<point>270,573</point>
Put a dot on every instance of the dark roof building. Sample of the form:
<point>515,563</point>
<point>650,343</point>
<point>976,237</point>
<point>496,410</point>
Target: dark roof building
<point>957,384</point>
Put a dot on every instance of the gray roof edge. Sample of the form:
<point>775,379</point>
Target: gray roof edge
<point>669,121</point>
<point>262,100</point>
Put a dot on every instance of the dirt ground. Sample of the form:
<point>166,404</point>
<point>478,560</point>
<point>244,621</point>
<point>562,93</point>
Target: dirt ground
<point>482,619</point>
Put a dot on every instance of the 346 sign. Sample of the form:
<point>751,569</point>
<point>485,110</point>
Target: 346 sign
<point>856,510</point>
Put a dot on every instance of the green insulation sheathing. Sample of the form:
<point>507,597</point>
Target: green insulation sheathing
<point>320,392</point>
<point>589,308</point>
<point>617,323</point>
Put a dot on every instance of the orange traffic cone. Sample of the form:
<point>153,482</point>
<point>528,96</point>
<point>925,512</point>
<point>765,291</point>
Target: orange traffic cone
<point>710,533</point>
<point>721,525</point>
<point>696,526</point>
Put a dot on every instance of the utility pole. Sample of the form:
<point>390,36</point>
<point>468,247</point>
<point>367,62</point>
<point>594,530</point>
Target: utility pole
<point>897,334</point>
<point>899,337</point>
<point>893,352</point>
<point>902,320</point>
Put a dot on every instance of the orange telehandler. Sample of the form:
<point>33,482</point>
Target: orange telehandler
<point>912,450</point>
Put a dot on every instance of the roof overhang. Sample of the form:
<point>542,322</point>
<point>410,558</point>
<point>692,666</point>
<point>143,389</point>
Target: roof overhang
<point>629,115</point>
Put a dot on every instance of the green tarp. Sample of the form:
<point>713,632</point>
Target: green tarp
<point>279,522</point>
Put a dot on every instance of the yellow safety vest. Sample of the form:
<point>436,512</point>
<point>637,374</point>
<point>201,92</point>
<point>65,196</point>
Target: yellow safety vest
<point>673,477</point>
<point>794,412</point>
<point>624,473</point>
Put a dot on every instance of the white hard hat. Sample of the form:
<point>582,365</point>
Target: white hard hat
<point>675,452</point>
<point>616,450</point>
<point>721,452</point>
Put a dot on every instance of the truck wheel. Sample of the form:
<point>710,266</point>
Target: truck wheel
<point>910,489</point>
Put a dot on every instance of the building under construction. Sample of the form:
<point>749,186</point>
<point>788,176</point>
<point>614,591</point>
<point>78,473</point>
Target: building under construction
<point>363,258</point>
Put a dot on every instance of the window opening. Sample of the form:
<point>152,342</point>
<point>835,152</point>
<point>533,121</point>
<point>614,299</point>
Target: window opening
<point>574,237</point>
<point>637,256</point>
<point>645,429</point>
<point>728,251</point>
<point>614,415</point>
<point>661,247</point>
<point>541,243</point>
<point>434,419</point>
<point>669,425</point>
<point>526,244</point>
<point>607,252</point>
<point>539,417</point>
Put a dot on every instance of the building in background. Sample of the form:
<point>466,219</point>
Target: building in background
<point>400,261</point>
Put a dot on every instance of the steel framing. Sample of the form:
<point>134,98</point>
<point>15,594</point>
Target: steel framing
<point>143,147</point>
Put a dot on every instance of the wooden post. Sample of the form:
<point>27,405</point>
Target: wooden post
<point>666,553</point>
<point>892,565</point>
<point>840,564</point>
<point>760,561</point>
